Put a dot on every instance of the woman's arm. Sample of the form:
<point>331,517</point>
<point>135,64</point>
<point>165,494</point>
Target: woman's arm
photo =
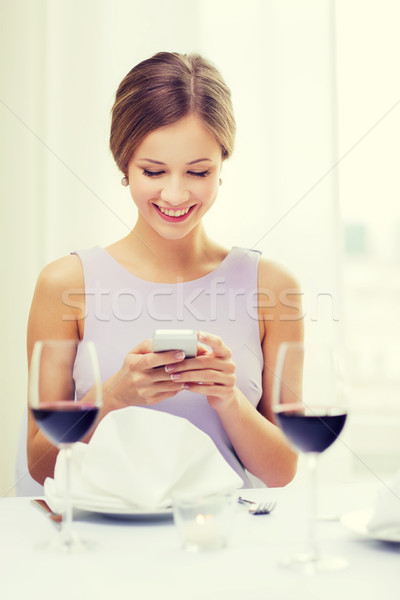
<point>259,443</point>
<point>54,316</point>
<point>51,317</point>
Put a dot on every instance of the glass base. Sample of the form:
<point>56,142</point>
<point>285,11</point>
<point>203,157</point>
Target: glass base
<point>66,545</point>
<point>310,564</point>
<point>204,546</point>
<point>328,517</point>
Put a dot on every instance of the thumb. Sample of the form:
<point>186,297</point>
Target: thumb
<point>202,349</point>
<point>143,348</point>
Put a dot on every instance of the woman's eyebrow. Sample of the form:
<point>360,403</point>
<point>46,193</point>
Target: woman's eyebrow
<point>192,162</point>
<point>156,162</point>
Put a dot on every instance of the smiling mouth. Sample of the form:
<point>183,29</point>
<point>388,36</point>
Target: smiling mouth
<point>173,215</point>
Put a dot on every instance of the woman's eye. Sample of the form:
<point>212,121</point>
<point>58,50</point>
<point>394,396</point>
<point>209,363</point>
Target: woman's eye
<point>152,173</point>
<point>199,174</point>
<point>158,173</point>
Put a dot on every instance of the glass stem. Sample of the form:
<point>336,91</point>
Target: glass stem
<point>67,521</point>
<point>312,460</point>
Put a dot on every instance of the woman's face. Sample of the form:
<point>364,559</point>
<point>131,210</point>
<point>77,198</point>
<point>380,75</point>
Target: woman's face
<point>174,176</point>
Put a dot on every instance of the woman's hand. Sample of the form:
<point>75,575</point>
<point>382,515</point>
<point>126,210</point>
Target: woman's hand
<point>142,380</point>
<point>211,372</point>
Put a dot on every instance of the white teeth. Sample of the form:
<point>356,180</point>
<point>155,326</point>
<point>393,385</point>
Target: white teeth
<point>174,213</point>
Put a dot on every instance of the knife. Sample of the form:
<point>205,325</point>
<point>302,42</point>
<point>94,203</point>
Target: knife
<point>45,508</point>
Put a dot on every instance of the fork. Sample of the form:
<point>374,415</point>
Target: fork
<point>264,508</point>
<point>45,508</point>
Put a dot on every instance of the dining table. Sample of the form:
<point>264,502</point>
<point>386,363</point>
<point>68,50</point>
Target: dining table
<point>143,559</point>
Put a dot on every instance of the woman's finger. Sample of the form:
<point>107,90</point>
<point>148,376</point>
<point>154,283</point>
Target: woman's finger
<point>205,376</point>
<point>216,390</point>
<point>202,349</point>
<point>155,359</point>
<point>143,348</point>
<point>158,359</point>
<point>215,342</point>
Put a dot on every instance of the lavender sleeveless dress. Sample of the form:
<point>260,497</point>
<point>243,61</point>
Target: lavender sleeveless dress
<point>122,310</point>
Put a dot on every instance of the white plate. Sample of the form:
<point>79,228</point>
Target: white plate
<point>358,520</point>
<point>112,507</point>
<point>123,511</point>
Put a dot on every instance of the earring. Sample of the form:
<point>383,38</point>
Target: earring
<point>220,181</point>
<point>125,181</point>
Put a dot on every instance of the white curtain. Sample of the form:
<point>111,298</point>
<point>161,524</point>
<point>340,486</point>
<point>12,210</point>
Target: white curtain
<point>61,64</point>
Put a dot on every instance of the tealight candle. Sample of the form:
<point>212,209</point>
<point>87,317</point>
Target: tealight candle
<point>203,532</point>
<point>203,523</point>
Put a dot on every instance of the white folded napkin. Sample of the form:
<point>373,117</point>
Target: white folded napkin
<point>386,514</point>
<point>83,493</point>
<point>139,457</point>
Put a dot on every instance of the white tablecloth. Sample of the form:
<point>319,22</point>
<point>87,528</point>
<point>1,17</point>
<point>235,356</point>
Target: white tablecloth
<point>143,560</point>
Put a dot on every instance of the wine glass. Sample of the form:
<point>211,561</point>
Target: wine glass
<point>311,413</point>
<point>63,412</point>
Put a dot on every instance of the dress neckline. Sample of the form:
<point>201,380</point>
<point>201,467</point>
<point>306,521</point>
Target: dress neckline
<point>221,265</point>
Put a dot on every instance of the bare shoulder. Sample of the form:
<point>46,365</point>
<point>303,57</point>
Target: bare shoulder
<point>58,304</point>
<point>61,274</point>
<point>279,295</point>
<point>276,277</point>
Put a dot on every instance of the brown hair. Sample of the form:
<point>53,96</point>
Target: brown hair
<point>161,90</point>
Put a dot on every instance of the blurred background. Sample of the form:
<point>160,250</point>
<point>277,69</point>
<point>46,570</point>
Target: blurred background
<point>313,183</point>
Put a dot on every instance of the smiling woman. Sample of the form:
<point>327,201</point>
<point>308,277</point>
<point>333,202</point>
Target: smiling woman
<point>172,129</point>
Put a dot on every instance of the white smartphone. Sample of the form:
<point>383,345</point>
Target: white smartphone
<point>176,339</point>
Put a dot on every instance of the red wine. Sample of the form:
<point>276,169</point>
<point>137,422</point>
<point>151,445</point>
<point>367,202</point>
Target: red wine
<point>65,422</point>
<point>311,430</point>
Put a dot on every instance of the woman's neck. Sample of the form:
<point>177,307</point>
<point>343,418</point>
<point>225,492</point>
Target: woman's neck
<point>179,255</point>
<point>170,262</point>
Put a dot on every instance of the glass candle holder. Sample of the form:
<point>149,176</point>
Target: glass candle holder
<point>205,522</point>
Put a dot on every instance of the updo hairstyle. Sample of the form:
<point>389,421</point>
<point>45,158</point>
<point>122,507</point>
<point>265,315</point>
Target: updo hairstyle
<point>161,90</point>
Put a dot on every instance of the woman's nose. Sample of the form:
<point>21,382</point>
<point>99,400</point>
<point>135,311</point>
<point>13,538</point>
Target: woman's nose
<point>175,193</point>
